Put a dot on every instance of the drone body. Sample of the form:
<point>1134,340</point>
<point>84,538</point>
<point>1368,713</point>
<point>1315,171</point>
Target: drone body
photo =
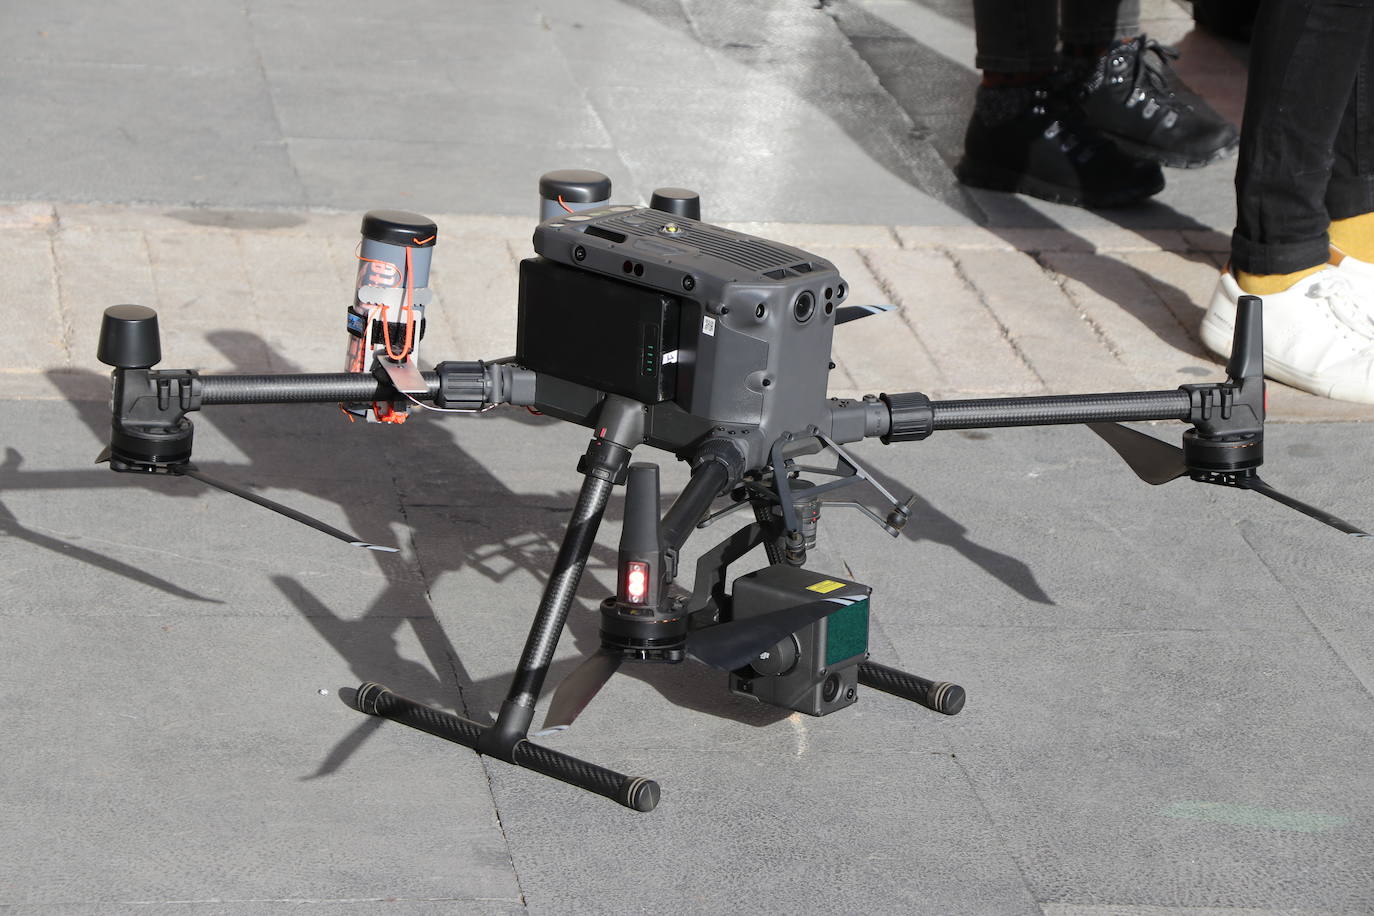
<point>651,327</point>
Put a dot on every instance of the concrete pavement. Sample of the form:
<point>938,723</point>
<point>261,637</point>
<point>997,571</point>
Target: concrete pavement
<point>1170,688</point>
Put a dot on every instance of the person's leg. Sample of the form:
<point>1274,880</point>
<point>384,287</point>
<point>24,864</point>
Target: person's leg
<point>1129,92</point>
<point>1303,149</point>
<point>1350,193</point>
<point>1304,60</point>
<point>1016,36</point>
<point>1022,137</point>
<point>1089,27</point>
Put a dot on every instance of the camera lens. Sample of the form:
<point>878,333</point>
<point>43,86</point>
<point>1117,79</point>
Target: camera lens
<point>831,688</point>
<point>804,307</point>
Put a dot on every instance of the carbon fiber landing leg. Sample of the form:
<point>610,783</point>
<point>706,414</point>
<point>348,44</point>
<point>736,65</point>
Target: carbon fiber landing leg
<point>942,697</point>
<point>635,792</point>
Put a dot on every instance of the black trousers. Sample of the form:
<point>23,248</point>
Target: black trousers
<point>1307,140</point>
<point>1020,36</point>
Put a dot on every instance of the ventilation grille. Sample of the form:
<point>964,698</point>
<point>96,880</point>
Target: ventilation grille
<point>744,252</point>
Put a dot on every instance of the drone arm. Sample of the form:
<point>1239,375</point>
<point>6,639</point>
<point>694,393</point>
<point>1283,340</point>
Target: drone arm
<point>452,385</point>
<point>908,419</point>
<point>299,388</point>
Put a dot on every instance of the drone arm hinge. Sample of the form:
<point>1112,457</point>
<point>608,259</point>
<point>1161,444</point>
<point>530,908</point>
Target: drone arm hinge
<point>619,428</point>
<point>155,397</point>
<point>1234,409</point>
<point>851,421</point>
<point>476,386</point>
<point>1229,409</point>
<point>911,417</point>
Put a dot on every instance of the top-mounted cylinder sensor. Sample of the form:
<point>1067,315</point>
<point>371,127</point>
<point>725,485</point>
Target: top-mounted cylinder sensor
<point>399,227</point>
<point>129,337</point>
<point>568,190</point>
<point>677,201</point>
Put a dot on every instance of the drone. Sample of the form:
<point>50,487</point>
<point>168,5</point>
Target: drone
<point>653,328</point>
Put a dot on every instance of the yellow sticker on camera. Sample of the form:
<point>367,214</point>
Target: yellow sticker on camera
<point>825,586</point>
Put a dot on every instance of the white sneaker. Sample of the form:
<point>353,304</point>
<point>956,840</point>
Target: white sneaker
<point>1359,273</point>
<point>1318,334</point>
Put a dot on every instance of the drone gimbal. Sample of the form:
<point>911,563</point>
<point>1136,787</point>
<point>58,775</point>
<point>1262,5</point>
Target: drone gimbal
<point>653,328</point>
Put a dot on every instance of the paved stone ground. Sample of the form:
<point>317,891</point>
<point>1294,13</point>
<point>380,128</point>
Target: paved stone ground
<point>1170,688</point>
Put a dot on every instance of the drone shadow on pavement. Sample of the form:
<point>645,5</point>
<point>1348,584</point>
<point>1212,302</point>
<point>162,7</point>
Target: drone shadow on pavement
<point>438,546</point>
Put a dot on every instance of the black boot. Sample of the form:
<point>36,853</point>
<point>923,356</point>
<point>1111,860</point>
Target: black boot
<point>1131,95</point>
<point>1031,140</point>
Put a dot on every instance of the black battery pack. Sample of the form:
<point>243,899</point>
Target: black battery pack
<point>610,335</point>
<point>816,670</point>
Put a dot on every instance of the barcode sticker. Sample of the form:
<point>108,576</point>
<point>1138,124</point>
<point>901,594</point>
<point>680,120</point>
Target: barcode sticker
<point>708,326</point>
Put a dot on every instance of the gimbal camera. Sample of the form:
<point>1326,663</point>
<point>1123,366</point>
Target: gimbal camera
<point>652,328</point>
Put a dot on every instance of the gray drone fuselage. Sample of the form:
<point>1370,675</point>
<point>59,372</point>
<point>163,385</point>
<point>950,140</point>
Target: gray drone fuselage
<point>750,349</point>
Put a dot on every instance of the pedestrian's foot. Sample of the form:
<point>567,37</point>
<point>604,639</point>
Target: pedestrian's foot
<point>1032,140</point>
<point>1132,95</point>
<point>1318,334</point>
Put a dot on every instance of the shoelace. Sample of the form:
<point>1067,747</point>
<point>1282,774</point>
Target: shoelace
<point>1060,100</point>
<point>1151,73</point>
<point>1348,308</point>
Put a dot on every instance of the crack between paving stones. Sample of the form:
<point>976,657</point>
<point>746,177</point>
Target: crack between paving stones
<point>64,314</point>
<point>1002,328</point>
<point>302,196</point>
<point>1098,330</point>
<point>1317,628</point>
<point>903,313</point>
<point>988,819</point>
<point>456,675</point>
<point>152,272</point>
<point>1191,330</point>
<point>273,357</point>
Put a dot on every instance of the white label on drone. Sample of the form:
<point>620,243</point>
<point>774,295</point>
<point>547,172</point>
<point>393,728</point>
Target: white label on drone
<point>708,326</point>
<point>670,358</point>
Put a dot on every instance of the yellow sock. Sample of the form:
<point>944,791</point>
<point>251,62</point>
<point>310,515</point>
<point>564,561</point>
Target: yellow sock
<point>1354,236</point>
<point>1268,284</point>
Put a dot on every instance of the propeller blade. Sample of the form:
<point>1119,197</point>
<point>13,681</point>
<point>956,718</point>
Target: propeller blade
<point>577,690</point>
<point>1153,460</point>
<point>1253,482</point>
<point>190,470</point>
<point>736,643</point>
<point>847,313</point>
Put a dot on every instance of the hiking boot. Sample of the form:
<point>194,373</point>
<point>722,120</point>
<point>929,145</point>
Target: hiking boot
<point>1318,334</point>
<point>1032,140</point>
<point>1131,95</point>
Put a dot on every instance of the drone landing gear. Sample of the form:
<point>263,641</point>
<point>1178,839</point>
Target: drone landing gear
<point>604,465</point>
<point>634,792</point>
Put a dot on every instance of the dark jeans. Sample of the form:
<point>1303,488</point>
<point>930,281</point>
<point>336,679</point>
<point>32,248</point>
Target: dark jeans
<point>1019,36</point>
<point>1307,141</point>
